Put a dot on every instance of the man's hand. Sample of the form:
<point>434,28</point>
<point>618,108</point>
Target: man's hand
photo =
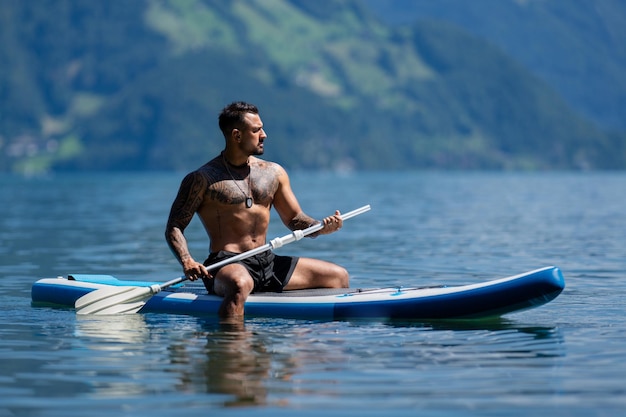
<point>194,270</point>
<point>332,223</point>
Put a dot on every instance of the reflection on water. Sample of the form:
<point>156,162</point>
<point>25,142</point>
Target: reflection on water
<point>500,338</point>
<point>107,332</point>
<point>233,361</point>
<point>262,362</point>
<point>281,362</point>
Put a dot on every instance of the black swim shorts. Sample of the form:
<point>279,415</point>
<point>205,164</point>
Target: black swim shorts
<point>270,272</point>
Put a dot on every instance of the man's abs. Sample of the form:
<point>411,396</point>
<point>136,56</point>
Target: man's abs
<point>235,229</point>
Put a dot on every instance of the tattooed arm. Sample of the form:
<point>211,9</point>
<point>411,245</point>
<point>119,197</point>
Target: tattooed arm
<point>291,214</point>
<point>189,198</point>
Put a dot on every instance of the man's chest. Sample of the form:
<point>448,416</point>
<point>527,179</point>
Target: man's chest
<point>259,188</point>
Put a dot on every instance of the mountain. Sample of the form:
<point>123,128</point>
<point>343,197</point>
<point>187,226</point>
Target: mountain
<point>138,85</point>
<point>576,46</point>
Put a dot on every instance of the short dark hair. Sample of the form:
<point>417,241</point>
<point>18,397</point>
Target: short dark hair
<point>232,116</point>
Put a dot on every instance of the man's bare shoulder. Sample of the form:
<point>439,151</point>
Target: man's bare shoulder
<point>214,169</point>
<point>267,167</point>
<point>266,176</point>
<point>196,183</point>
<point>207,174</point>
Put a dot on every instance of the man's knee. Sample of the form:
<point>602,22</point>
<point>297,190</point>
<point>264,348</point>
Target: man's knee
<point>342,277</point>
<point>235,283</point>
<point>345,278</point>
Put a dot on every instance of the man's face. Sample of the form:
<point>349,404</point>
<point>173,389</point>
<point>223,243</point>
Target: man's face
<point>252,134</point>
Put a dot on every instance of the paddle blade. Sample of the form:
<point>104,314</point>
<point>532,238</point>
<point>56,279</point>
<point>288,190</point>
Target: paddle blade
<point>125,308</point>
<point>100,294</point>
<point>110,300</point>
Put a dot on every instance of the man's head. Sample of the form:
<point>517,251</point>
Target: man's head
<point>242,128</point>
<point>233,116</point>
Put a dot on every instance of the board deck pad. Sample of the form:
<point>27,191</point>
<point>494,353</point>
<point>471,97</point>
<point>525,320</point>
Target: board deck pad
<point>199,289</point>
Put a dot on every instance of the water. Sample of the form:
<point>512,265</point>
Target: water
<point>567,358</point>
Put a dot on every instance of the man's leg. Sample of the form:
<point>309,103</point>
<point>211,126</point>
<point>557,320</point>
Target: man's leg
<point>234,283</point>
<point>314,273</point>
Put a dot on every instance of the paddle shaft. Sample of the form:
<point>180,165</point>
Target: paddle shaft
<point>273,244</point>
<point>129,299</point>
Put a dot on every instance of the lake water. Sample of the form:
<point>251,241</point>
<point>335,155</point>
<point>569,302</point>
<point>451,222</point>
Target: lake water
<point>566,358</point>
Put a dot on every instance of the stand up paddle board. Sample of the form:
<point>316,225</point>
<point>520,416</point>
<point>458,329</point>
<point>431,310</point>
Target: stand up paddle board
<point>486,299</point>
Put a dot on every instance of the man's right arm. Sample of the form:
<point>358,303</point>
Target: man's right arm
<point>185,205</point>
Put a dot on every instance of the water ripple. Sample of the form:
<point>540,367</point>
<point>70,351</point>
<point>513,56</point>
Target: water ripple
<point>566,358</point>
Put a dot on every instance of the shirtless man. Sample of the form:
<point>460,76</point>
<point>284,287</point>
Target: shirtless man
<point>232,195</point>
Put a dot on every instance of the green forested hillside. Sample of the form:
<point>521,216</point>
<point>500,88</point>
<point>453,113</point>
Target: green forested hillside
<point>138,85</point>
<point>576,46</point>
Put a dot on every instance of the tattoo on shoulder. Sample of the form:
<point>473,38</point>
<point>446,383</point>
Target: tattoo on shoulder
<point>189,197</point>
<point>264,181</point>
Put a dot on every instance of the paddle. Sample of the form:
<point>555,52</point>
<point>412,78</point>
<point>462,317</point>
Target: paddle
<point>129,299</point>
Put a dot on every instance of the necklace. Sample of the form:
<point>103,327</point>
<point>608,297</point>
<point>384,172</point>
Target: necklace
<point>248,196</point>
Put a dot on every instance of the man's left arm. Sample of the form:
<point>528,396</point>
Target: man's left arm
<point>291,214</point>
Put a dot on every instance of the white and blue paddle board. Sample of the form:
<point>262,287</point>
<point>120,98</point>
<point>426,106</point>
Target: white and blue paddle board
<point>486,299</point>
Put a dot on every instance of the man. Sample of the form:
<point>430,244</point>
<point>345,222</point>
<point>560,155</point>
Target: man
<point>232,195</point>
